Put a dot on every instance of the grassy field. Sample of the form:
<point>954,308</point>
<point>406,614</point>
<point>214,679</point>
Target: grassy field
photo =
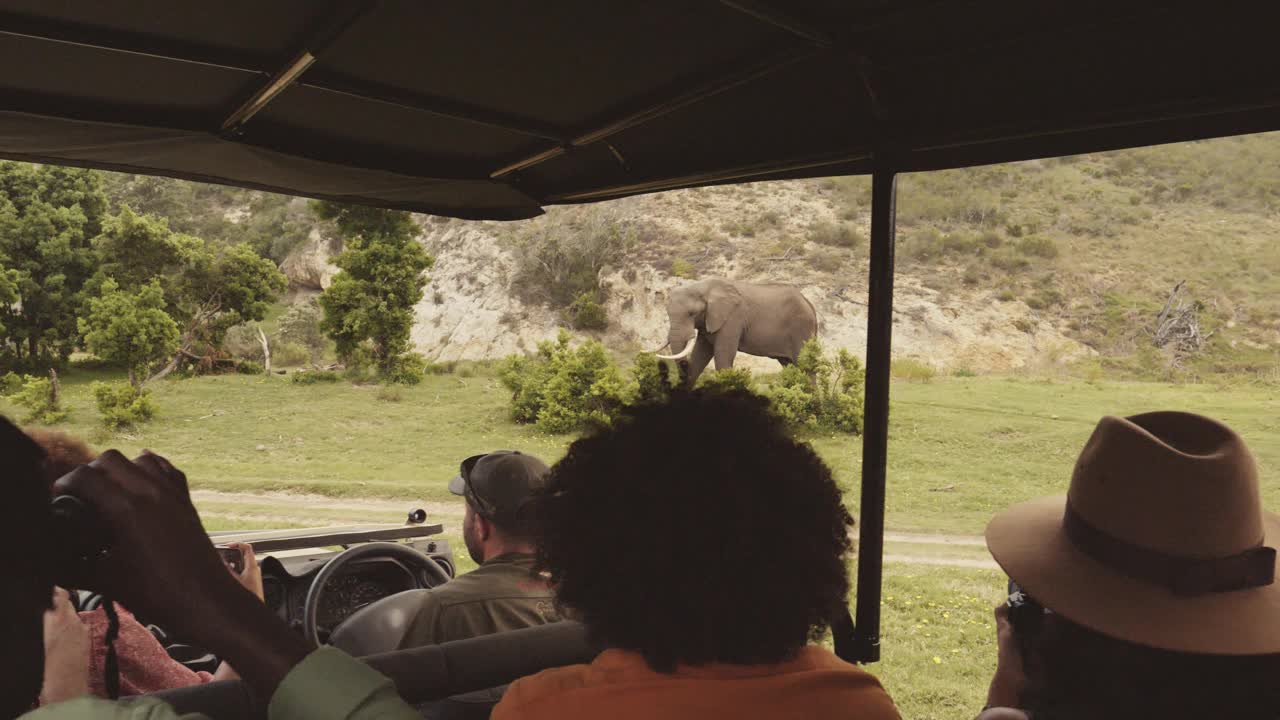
<point>960,449</point>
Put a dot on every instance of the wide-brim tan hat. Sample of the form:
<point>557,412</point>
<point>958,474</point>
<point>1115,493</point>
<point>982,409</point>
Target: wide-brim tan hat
<point>1160,541</point>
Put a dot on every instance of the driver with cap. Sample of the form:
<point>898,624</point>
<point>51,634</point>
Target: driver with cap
<point>504,593</point>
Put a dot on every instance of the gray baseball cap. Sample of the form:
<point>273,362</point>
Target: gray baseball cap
<point>498,484</point>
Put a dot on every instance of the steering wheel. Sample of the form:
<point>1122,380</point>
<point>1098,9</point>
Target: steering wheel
<point>415,559</point>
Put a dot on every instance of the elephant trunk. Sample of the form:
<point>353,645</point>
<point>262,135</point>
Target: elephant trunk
<point>683,353</point>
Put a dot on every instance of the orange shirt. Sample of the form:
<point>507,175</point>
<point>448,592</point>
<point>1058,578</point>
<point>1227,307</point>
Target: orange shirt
<point>619,685</point>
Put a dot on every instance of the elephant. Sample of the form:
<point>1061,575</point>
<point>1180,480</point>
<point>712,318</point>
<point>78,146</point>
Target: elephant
<point>718,318</point>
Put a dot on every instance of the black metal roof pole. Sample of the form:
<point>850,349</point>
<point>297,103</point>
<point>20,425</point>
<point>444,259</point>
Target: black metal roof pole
<point>875,409</point>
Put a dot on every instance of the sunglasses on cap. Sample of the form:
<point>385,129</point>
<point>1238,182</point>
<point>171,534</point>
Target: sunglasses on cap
<point>478,501</point>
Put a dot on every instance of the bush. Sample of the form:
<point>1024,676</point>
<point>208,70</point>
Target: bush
<point>311,377</point>
<point>559,257</point>
<point>586,313</point>
<point>912,370</point>
<point>825,232</point>
<point>562,389</point>
<point>10,384</point>
<point>440,368</point>
<point>682,269</point>
<point>653,378</point>
<point>728,380</point>
<point>1045,298</point>
<point>1006,260</point>
<point>819,393</point>
<point>122,405</point>
<point>301,325</point>
<point>407,369</point>
<point>38,398</point>
<point>1038,247</point>
<point>827,261</point>
<point>242,342</point>
<point>250,367</point>
<point>289,354</point>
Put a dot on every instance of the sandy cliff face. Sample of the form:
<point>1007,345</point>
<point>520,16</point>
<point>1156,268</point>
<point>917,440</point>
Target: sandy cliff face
<point>470,312</point>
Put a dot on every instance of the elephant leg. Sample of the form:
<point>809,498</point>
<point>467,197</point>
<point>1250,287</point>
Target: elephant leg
<point>698,360</point>
<point>725,352</point>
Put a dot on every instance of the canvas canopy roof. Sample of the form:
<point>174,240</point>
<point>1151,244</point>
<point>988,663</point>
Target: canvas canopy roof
<point>494,109</point>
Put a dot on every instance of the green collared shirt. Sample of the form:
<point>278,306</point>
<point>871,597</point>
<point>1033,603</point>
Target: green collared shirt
<point>327,685</point>
<point>501,595</point>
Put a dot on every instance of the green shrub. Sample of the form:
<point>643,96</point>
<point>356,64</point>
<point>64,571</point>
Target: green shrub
<point>991,239</point>
<point>1007,295</point>
<point>1045,298</point>
<point>250,367</point>
<point>1039,247</point>
<point>562,389</point>
<point>300,325</point>
<point>912,370</point>
<point>466,371</point>
<point>1009,261</point>
<point>311,377</point>
<point>10,384</point>
<point>586,313</point>
<point>964,372</point>
<point>827,261</point>
<point>122,405</point>
<point>37,396</point>
<point>440,368</point>
<point>290,354</point>
<point>653,378</point>
<point>727,380</point>
<point>407,369</point>
<point>923,244</point>
<point>682,269</point>
<point>818,393</point>
<point>843,234</point>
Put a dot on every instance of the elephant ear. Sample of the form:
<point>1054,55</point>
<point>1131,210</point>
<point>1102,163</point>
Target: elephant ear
<point>723,302</point>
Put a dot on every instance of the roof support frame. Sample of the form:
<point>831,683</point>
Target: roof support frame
<point>675,101</point>
<point>14,25</point>
<point>875,409</point>
<point>346,14</point>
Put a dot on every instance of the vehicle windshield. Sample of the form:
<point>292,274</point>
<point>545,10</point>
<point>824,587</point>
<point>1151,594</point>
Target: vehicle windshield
<point>1031,299</point>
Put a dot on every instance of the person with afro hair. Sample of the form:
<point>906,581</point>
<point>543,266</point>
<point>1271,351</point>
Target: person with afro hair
<point>705,551</point>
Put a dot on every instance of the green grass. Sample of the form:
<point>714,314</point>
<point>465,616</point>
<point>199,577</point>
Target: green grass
<point>937,639</point>
<point>960,448</point>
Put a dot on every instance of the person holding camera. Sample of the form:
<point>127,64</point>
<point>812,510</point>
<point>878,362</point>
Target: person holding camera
<point>157,560</point>
<point>1149,590</point>
<point>143,664</point>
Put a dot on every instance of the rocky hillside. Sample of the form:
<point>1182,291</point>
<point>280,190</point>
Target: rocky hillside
<point>1012,266</point>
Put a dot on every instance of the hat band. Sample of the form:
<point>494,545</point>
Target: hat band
<point>1255,567</point>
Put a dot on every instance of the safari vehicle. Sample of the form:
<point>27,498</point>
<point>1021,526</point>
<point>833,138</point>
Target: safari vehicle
<point>491,111</point>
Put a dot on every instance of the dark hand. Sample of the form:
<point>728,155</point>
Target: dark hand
<point>1010,679</point>
<point>162,564</point>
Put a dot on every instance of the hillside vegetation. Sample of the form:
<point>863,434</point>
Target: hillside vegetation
<point>1089,245</point>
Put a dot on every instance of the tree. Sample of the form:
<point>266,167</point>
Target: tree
<point>301,325</point>
<point>47,216</point>
<point>368,308</point>
<point>208,287</point>
<point>129,328</point>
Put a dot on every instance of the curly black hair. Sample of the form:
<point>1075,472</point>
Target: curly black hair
<point>695,531</point>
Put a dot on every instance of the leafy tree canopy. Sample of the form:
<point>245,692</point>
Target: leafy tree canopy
<point>47,217</point>
<point>368,308</point>
<point>131,328</point>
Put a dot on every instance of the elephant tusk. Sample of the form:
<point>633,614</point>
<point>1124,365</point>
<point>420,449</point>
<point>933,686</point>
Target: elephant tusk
<point>683,353</point>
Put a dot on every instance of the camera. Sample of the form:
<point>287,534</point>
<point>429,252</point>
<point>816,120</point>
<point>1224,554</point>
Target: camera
<point>1027,618</point>
<point>233,557</point>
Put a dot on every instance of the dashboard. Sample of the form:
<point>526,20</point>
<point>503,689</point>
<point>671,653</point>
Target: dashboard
<point>355,587</point>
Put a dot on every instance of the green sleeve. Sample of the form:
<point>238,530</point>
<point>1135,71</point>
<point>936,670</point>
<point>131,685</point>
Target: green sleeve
<point>331,685</point>
<point>88,708</point>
